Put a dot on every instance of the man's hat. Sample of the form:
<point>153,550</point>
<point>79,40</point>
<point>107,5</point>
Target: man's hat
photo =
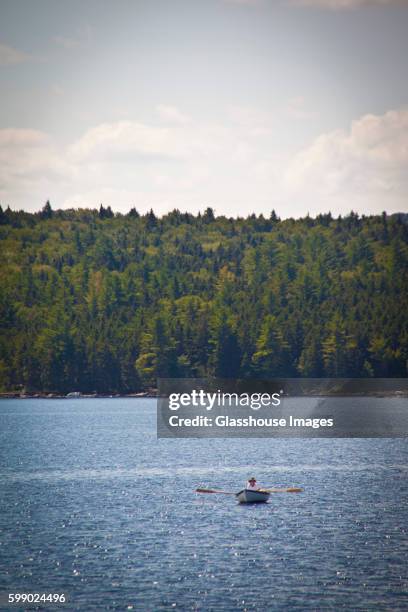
<point>250,479</point>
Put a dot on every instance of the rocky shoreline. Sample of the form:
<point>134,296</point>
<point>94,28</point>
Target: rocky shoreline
<point>74,395</point>
<point>152,393</point>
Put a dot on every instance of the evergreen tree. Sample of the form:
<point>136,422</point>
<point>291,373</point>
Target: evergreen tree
<point>46,211</point>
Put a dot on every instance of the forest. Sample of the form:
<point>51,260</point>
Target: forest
<point>101,302</point>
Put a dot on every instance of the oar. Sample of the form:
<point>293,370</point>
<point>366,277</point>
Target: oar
<point>214,491</point>
<point>287,490</point>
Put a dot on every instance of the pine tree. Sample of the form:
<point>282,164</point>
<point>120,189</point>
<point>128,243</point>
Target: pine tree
<point>46,211</point>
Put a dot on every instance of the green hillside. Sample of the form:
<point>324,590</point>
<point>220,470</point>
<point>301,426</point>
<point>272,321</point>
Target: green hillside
<point>93,301</point>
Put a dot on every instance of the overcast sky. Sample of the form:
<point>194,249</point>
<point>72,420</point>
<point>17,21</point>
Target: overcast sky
<point>243,105</point>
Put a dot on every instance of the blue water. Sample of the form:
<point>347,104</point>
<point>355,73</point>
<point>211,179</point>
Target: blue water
<point>94,506</point>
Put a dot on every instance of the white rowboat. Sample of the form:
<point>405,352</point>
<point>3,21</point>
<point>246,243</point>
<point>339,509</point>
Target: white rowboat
<point>248,496</point>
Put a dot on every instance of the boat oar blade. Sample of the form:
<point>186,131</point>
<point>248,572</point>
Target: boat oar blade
<point>285,490</point>
<point>214,491</point>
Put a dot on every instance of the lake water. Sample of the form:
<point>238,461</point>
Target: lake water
<point>94,506</point>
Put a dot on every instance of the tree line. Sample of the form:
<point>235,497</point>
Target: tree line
<point>101,302</point>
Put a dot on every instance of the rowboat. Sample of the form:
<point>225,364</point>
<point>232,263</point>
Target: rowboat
<point>249,496</point>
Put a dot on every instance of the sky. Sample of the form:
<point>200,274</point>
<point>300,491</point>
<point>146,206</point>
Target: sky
<point>243,105</point>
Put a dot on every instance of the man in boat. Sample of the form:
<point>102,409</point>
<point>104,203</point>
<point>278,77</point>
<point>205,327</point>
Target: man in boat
<point>251,484</point>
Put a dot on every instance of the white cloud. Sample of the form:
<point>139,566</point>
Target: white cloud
<point>133,142</point>
<point>171,114</point>
<point>346,4</point>
<point>10,56</point>
<point>366,165</point>
<point>13,137</point>
<point>126,139</point>
<point>30,167</point>
<point>23,153</point>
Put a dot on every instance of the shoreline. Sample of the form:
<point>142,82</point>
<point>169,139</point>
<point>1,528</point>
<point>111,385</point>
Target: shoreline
<point>42,395</point>
<point>152,394</point>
